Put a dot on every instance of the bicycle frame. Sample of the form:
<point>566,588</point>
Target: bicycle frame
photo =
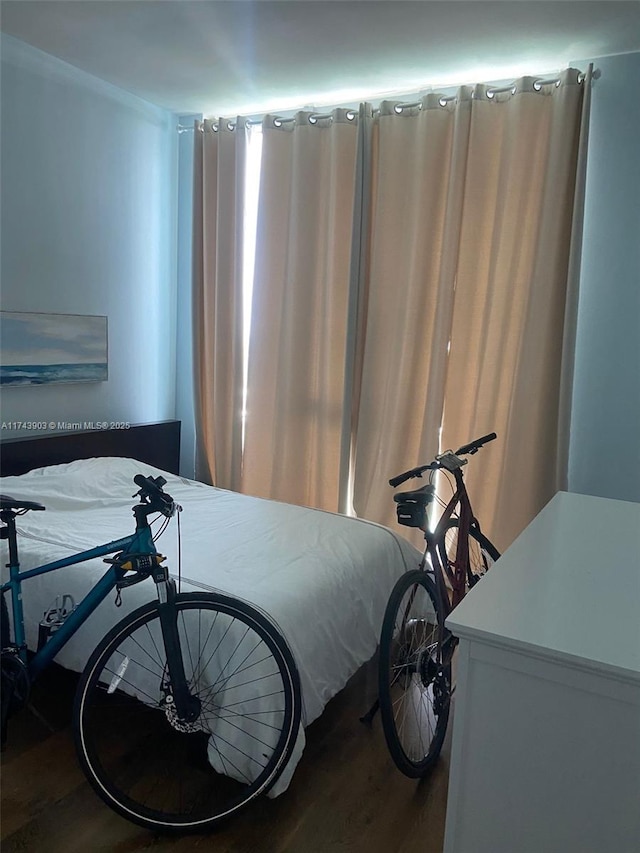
<point>439,569</point>
<point>458,577</point>
<point>140,542</point>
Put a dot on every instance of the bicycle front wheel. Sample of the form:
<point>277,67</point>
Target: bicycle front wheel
<point>414,677</point>
<point>169,774</point>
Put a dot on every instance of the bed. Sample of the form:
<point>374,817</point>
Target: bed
<point>324,579</point>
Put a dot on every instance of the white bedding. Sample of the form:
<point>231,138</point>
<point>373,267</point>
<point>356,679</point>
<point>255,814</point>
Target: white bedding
<point>323,578</point>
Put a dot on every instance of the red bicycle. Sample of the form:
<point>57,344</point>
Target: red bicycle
<point>416,649</point>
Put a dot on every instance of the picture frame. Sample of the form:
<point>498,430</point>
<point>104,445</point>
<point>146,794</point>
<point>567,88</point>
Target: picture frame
<point>52,349</point>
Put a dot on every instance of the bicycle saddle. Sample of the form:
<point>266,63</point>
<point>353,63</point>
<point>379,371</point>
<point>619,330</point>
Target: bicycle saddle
<point>424,494</point>
<point>7,502</point>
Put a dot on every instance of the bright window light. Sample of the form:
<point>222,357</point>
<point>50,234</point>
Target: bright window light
<point>251,193</point>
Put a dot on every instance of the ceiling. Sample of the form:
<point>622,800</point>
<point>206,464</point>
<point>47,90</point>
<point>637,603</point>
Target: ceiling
<point>250,56</point>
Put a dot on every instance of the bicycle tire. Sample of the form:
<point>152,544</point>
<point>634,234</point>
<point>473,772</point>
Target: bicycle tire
<point>482,552</point>
<point>163,773</point>
<point>414,681</point>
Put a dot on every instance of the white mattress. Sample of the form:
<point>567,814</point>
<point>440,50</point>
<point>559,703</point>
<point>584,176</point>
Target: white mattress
<point>323,578</point>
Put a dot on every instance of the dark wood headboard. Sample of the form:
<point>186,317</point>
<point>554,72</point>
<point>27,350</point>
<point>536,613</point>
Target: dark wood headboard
<point>157,444</point>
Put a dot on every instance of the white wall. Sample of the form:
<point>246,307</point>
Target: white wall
<point>89,176</point>
<point>184,336</point>
<point>604,454</point>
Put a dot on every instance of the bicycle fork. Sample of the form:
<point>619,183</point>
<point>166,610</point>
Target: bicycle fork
<point>187,706</point>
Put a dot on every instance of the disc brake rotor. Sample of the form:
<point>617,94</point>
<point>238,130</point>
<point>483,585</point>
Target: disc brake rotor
<point>171,713</point>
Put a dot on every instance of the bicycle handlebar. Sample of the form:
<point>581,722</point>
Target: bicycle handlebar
<point>470,448</point>
<point>474,446</point>
<point>151,489</point>
<point>407,475</point>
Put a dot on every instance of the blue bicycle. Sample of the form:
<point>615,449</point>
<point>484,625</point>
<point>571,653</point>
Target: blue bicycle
<point>188,709</point>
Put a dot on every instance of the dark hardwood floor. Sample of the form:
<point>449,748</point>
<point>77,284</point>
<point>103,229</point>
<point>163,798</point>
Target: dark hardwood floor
<point>346,795</point>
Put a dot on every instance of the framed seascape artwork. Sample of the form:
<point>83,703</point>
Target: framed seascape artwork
<point>42,349</point>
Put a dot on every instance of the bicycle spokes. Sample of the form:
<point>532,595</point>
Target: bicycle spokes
<point>160,767</point>
<point>414,681</point>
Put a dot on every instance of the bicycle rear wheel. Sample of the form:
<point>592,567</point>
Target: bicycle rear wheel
<point>414,678</point>
<point>168,774</point>
<point>482,553</point>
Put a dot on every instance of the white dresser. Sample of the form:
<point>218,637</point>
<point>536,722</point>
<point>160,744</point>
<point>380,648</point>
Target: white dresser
<point>546,727</point>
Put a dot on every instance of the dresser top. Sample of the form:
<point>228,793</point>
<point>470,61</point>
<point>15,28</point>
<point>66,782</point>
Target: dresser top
<point>567,588</point>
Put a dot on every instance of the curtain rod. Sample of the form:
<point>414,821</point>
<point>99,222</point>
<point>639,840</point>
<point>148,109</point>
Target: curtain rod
<point>492,91</point>
<point>277,120</point>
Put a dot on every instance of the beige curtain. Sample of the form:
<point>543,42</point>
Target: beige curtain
<point>297,350</point>
<point>219,177</point>
<point>505,363</point>
<point>419,162</point>
<point>473,203</point>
